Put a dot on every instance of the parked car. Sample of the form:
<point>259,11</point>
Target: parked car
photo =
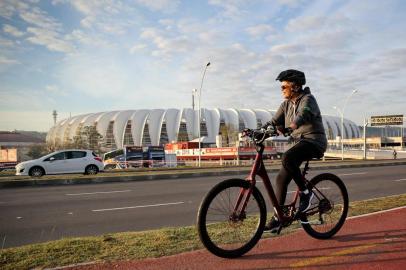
<point>59,162</point>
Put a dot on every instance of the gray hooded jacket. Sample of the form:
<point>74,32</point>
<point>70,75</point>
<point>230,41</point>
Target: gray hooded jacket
<point>305,113</point>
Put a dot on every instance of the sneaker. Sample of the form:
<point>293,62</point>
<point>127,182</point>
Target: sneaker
<point>306,198</point>
<point>273,225</point>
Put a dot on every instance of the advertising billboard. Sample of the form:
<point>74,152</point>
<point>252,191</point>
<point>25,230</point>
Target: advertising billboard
<point>387,120</point>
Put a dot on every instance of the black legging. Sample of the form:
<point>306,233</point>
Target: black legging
<point>291,161</point>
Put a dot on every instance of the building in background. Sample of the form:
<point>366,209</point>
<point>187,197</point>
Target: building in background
<point>20,141</point>
<point>157,127</point>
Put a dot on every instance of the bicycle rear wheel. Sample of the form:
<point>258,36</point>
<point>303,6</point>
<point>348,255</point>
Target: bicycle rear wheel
<point>222,231</point>
<point>329,207</point>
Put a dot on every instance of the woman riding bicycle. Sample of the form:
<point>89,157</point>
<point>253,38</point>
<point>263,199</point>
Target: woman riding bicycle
<point>300,113</point>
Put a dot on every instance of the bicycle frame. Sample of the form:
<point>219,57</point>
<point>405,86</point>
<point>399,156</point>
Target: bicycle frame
<point>258,169</point>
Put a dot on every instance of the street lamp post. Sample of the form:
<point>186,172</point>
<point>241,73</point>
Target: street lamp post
<point>341,112</point>
<point>342,131</point>
<point>199,113</point>
<point>194,92</point>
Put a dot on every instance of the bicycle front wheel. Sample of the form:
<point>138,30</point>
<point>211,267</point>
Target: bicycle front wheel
<point>225,232</point>
<point>329,207</point>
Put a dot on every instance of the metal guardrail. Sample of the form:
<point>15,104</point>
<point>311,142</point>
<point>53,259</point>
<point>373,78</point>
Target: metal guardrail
<point>370,154</point>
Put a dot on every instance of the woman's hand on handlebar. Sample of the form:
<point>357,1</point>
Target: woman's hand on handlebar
<point>285,131</point>
<point>259,134</point>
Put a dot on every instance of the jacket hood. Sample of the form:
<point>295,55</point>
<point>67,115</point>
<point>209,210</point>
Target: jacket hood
<point>306,90</point>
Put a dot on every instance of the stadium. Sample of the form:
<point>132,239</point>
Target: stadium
<point>160,126</point>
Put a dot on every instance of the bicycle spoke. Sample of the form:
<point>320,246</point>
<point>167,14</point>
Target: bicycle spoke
<point>326,216</point>
<point>232,232</point>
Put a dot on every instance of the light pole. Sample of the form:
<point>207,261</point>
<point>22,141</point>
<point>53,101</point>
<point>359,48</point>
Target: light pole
<point>199,114</point>
<point>342,121</point>
<point>194,92</point>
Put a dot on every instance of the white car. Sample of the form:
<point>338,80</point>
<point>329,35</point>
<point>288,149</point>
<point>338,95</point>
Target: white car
<point>64,161</point>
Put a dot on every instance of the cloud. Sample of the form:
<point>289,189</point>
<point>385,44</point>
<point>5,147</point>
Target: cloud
<point>166,6</point>
<point>6,42</point>
<point>23,120</point>
<point>107,15</point>
<point>137,47</point>
<point>306,23</point>
<point>287,49</point>
<point>291,3</point>
<point>12,30</point>
<point>6,61</point>
<point>91,7</point>
<point>9,7</point>
<point>49,39</point>
<point>95,76</point>
<point>231,8</point>
<point>42,29</point>
<point>88,39</point>
<point>39,18</point>
<point>259,30</point>
<point>35,100</point>
<point>55,90</point>
<point>166,44</point>
<point>115,52</point>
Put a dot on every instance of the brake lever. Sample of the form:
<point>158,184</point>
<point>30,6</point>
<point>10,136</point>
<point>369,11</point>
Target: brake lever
<point>287,132</point>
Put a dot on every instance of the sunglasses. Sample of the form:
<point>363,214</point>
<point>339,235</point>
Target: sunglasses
<point>283,87</point>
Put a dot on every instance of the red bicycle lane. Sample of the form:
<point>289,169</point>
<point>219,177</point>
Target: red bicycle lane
<point>374,241</point>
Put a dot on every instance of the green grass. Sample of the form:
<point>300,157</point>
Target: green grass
<point>138,245</point>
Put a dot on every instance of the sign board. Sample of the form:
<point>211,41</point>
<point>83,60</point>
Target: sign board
<point>8,155</point>
<point>387,120</point>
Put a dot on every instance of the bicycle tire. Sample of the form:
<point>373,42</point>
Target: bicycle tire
<point>227,247</point>
<point>336,208</point>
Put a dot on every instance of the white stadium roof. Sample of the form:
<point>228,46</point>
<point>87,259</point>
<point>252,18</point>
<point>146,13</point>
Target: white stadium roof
<point>172,118</point>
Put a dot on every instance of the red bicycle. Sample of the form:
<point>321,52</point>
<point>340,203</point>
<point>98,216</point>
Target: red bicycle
<point>232,216</point>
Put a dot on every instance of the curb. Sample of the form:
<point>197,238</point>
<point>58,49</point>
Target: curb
<point>168,176</point>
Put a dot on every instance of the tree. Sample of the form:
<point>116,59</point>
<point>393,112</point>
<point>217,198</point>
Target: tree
<point>93,137</point>
<point>37,150</point>
<point>87,138</point>
<point>229,134</point>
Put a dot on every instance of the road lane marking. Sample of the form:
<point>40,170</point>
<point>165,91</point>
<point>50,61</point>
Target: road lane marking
<point>377,212</point>
<point>345,174</point>
<point>323,188</point>
<point>400,180</point>
<point>99,192</point>
<point>321,259</point>
<point>137,206</point>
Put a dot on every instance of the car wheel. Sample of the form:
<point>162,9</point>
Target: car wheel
<point>36,172</point>
<point>91,169</point>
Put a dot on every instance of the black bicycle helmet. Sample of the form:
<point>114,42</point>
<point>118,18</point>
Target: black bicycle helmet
<point>292,75</point>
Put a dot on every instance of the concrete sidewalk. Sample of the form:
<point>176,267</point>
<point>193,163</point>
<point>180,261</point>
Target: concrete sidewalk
<point>125,176</point>
<point>372,241</point>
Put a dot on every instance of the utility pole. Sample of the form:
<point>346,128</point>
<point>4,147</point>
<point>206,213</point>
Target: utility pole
<point>194,93</point>
<point>342,121</point>
<point>54,114</point>
<point>365,138</point>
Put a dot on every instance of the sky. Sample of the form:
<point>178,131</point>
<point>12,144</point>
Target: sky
<point>86,56</point>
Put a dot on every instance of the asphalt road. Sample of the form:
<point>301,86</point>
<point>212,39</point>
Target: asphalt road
<point>39,214</point>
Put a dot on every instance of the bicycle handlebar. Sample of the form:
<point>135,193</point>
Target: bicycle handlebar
<point>260,135</point>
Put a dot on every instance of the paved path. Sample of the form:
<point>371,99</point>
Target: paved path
<point>376,241</point>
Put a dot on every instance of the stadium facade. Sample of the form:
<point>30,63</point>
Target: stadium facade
<point>161,126</point>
